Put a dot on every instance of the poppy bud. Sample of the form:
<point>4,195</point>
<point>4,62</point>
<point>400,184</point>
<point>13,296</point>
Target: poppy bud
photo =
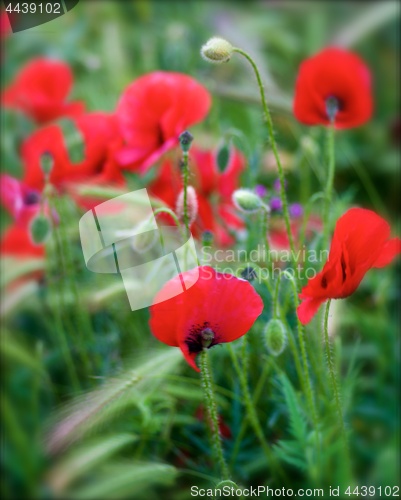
<point>275,337</point>
<point>46,163</point>
<point>186,139</point>
<point>229,485</point>
<point>217,50</point>
<point>247,201</point>
<point>223,155</point>
<point>40,229</point>
<point>192,205</point>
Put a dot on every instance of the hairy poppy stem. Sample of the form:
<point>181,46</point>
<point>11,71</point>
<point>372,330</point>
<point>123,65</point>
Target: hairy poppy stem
<point>210,404</point>
<point>270,130</point>
<point>329,185</point>
<point>330,363</point>
<point>251,412</point>
<point>291,341</point>
<point>301,336</point>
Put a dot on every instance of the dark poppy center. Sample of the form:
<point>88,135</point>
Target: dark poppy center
<point>333,106</point>
<point>200,337</point>
<point>31,198</point>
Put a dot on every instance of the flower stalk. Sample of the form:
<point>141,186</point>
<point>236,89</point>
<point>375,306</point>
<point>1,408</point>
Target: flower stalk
<point>329,184</point>
<point>210,405</point>
<point>270,130</point>
<point>331,367</point>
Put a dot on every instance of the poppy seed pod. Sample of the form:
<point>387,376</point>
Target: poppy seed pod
<point>186,139</point>
<point>247,201</point>
<point>275,337</point>
<point>192,205</point>
<point>217,50</point>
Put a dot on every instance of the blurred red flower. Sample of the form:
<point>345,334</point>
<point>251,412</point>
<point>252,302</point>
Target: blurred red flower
<point>99,134</point>
<point>333,74</point>
<point>216,211</point>
<point>215,304</point>
<point>23,204</point>
<point>5,26</point>
<point>40,90</point>
<point>360,242</point>
<point>224,429</point>
<point>153,111</point>
<point>278,238</point>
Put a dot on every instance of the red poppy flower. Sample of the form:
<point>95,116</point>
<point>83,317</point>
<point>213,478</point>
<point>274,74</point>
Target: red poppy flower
<point>40,90</point>
<point>23,204</point>
<point>16,241</point>
<point>360,242</point>
<point>216,212</point>
<point>334,82</point>
<point>153,111</point>
<point>219,306</point>
<point>98,133</point>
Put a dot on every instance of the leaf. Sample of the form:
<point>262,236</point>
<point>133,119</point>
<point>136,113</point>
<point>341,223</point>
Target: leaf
<point>296,416</point>
<point>290,452</point>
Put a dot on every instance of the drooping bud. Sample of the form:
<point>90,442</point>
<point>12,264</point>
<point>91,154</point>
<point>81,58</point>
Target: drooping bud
<point>192,205</point>
<point>40,229</point>
<point>46,163</point>
<point>332,107</point>
<point>186,139</point>
<point>207,337</point>
<point>275,337</point>
<point>217,50</point>
<point>247,201</point>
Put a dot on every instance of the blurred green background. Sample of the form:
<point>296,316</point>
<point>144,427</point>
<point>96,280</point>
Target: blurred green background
<point>143,439</point>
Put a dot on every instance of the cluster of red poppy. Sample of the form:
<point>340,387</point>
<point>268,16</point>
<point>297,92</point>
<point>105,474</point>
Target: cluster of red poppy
<point>332,87</point>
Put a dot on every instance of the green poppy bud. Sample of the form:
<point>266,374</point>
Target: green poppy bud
<point>40,229</point>
<point>217,50</point>
<point>247,201</point>
<point>275,337</point>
